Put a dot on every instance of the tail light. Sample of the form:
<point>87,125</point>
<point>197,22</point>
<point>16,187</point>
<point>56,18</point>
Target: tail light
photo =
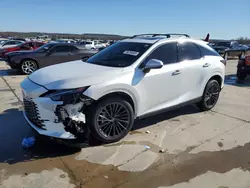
<point>224,62</point>
<point>247,60</point>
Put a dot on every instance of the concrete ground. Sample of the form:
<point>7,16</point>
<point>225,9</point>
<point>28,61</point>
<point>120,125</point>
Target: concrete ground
<point>179,149</point>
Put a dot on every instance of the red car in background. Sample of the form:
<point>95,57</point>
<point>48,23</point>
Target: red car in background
<point>25,46</point>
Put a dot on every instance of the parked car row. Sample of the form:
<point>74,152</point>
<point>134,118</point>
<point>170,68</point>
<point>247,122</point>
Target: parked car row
<point>131,79</point>
<point>222,47</point>
<point>19,47</point>
<point>49,54</point>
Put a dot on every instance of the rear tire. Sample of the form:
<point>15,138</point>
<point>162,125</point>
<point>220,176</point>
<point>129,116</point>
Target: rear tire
<point>210,96</point>
<point>111,119</point>
<point>28,66</point>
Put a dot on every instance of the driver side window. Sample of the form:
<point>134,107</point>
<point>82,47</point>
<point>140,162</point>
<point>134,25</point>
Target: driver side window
<point>61,49</point>
<point>166,53</point>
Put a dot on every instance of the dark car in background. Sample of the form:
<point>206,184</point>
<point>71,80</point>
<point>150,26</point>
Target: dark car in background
<point>49,54</point>
<point>221,46</point>
<point>243,67</point>
<point>19,47</point>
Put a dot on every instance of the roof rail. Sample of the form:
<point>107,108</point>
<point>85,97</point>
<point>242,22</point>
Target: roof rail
<point>168,35</point>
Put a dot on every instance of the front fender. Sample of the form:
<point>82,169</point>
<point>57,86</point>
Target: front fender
<point>98,91</point>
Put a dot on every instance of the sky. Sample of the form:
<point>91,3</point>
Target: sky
<point>223,19</point>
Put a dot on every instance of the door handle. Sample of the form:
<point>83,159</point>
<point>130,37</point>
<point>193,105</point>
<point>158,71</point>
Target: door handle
<point>176,72</point>
<point>206,65</point>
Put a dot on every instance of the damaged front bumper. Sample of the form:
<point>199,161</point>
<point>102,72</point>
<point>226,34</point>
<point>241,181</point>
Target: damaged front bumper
<point>51,118</point>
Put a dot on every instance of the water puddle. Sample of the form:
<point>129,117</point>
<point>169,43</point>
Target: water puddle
<point>169,169</point>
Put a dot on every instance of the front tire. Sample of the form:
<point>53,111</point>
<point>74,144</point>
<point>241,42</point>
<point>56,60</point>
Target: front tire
<point>210,95</point>
<point>111,119</point>
<point>28,66</point>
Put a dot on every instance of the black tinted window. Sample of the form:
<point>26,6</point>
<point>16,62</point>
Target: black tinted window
<point>167,53</point>
<point>25,46</point>
<point>45,47</point>
<point>188,51</point>
<point>207,51</point>
<point>61,49</point>
<point>39,44</point>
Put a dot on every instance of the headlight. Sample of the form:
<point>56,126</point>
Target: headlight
<point>67,94</point>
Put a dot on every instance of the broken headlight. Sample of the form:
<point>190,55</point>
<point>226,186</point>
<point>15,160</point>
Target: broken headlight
<point>66,95</point>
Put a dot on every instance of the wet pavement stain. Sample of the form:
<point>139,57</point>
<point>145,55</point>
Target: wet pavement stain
<point>121,143</point>
<point>220,144</point>
<point>135,132</point>
<point>175,120</point>
<point>169,170</point>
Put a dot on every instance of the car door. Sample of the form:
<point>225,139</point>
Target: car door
<point>193,71</point>
<point>58,54</point>
<point>75,53</point>
<point>159,88</point>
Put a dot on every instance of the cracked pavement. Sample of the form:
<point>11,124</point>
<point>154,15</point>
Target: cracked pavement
<point>180,148</point>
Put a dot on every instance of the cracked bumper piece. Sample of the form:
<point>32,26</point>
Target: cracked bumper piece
<point>51,133</point>
<point>39,112</point>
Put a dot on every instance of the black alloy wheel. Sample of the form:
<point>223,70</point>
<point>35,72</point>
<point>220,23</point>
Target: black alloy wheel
<point>112,119</point>
<point>210,95</point>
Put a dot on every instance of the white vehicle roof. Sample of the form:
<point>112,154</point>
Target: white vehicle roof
<point>161,38</point>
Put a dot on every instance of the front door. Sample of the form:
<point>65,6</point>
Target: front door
<point>159,88</point>
<point>59,54</point>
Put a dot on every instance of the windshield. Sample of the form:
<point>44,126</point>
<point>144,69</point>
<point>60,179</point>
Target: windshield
<point>45,47</point>
<point>2,41</point>
<point>121,54</point>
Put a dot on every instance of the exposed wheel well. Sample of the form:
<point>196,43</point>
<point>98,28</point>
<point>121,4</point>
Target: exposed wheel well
<point>217,78</point>
<point>120,94</point>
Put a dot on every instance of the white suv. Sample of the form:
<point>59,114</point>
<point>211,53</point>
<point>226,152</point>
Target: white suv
<point>130,79</point>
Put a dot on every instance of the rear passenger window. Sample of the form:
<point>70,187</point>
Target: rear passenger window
<point>39,44</point>
<point>207,52</point>
<point>167,53</point>
<point>61,49</point>
<point>188,51</point>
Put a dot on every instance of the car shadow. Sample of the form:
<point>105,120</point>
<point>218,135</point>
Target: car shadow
<point>231,79</point>
<point>13,129</point>
<point>151,120</point>
<point>10,72</point>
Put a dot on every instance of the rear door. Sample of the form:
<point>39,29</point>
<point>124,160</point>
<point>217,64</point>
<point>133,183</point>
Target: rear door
<point>194,70</point>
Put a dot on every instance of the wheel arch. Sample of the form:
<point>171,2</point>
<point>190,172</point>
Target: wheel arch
<point>218,78</point>
<point>122,94</point>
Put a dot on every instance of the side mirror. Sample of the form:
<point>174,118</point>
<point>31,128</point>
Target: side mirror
<point>152,64</point>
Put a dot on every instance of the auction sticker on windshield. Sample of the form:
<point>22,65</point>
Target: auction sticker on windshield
<point>133,53</point>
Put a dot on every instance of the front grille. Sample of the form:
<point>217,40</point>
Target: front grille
<point>32,113</point>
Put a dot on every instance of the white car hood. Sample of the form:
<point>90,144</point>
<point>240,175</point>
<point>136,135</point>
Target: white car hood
<point>73,74</point>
